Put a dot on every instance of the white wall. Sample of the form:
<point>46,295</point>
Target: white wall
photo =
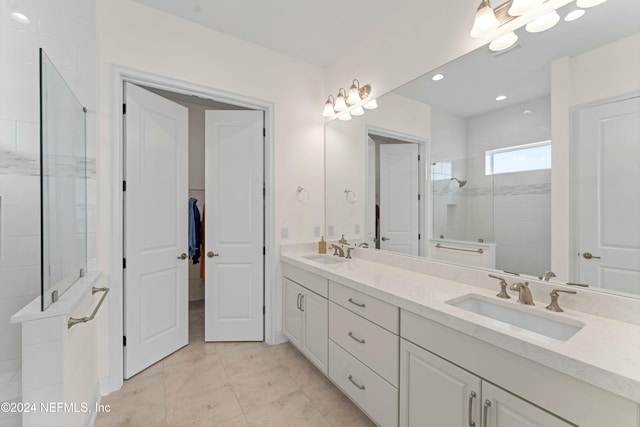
<point>66,30</point>
<point>603,73</point>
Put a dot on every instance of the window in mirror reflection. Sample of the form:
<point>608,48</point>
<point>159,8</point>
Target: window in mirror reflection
<point>519,158</point>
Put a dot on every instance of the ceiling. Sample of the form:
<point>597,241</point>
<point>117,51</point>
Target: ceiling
<point>318,32</point>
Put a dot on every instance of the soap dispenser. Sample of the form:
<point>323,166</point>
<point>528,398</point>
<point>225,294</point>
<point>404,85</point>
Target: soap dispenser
<point>342,241</point>
<point>322,246</point>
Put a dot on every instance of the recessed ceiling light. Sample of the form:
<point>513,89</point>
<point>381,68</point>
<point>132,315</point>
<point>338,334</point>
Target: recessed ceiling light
<point>573,15</point>
<point>20,17</point>
<point>437,77</point>
<point>527,111</point>
<point>501,98</point>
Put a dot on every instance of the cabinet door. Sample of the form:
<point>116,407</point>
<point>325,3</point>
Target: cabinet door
<point>434,392</point>
<point>316,334</point>
<point>292,313</point>
<point>504,409</point>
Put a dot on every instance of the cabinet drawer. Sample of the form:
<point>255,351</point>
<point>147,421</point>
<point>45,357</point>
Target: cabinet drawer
<point>374,346</point>
<point>379,312</point>
<point>317,284</point>
<point>368,390</point>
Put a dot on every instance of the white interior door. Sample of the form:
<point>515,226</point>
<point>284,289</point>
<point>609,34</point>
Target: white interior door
<point>608,195</point>
<point>371,224</point>
<point>399,198</point>
<point>234,212</point>
<point>155,228</point>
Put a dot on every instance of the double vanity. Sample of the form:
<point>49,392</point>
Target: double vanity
<point>413,348</point>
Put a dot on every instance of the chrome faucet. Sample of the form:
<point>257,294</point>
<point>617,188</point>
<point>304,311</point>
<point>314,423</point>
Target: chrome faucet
<point>337,250</point>
<point>503,287</point>
<point>524,294</point>
<point>547,275</point>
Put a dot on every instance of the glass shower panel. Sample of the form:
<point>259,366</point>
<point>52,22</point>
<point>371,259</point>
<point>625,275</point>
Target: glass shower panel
<point>62,184</point>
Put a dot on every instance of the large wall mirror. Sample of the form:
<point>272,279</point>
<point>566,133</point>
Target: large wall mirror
<point>529,158</point>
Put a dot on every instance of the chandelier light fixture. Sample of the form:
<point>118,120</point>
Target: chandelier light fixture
<point>488,20</point>
<point>350,103</point>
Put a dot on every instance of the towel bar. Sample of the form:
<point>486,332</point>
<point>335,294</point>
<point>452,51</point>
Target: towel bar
<point>479,251</point>
<point>74,321</point>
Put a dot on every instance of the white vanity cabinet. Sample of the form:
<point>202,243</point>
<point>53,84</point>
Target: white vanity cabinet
<point>305,320</point>
<point>441,367</point>
<point>364,350</point>
<point>436,392</point>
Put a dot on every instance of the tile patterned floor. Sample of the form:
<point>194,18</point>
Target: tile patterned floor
<point>230,385</point>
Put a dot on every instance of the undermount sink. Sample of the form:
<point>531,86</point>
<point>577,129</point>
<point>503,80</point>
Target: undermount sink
<point>522,317</point>
<point>324,259</point>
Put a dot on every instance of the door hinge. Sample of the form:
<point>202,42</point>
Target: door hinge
<point>124,263</point>
<point>418,236</point>
<point>264,310</point>
<point>264,132</point>
<point>124,185</point>
<point>418,157</point>
<point>264,250</point>
<point>418,197</point>
<point>124,108</point>
<point>124,341</point>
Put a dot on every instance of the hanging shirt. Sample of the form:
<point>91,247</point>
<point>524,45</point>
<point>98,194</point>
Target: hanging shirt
<point>194,231</point>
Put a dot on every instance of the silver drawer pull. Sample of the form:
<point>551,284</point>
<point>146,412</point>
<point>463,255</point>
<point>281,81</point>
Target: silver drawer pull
<point>472,396</point>
<point>361,341</point>
<point>359,304</point>
<point>361,387</point>
<point>485,409</point>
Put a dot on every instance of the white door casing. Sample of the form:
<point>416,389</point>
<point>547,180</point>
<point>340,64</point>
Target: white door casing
<point>607,196</point>
<point>234,226</point>
<point>370,222</point>
<point>155,228</point>
<point>399,217</point>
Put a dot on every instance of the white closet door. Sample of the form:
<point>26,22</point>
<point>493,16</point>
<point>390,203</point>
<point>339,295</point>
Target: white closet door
<point>155,229</point>
<point>399,198</point>
<point>234,228</point>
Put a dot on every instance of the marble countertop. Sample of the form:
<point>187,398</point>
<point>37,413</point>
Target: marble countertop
<point>604,353</point>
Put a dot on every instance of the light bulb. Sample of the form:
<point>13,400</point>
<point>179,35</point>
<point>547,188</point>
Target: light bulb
<point>503,42</point>
<point>437,77</point>
<point>485,20</point>
<point>371,105</point>
<point>501,97</point>
<point>345,117</point>
<point>520,7</point>
<point>357,111</point>
<point>543,22</point>
<point>589,3</point>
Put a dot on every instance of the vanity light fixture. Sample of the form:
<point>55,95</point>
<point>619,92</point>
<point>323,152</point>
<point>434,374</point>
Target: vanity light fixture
<point>520,7</point>
<point>346,116</point>
<point>589,3</point>
<point>574,14</point>
<point>485,21</point>
<point>357,111</point>
<point>543,22</point>
<point>503,42</point>
<point>343,101</point>
<point>371,105</point>
<point>328,107</point>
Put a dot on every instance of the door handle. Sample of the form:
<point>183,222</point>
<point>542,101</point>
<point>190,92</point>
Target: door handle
<point>182,256</point>
<point>211,254</point>
<point>589,255</point>
<point>353,337</point>
<point>301,302</point>
<point>384,239</point>
<point>298,302</point>
<point>350,378</point>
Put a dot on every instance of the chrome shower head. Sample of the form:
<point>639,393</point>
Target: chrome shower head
<point>460,183</point>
